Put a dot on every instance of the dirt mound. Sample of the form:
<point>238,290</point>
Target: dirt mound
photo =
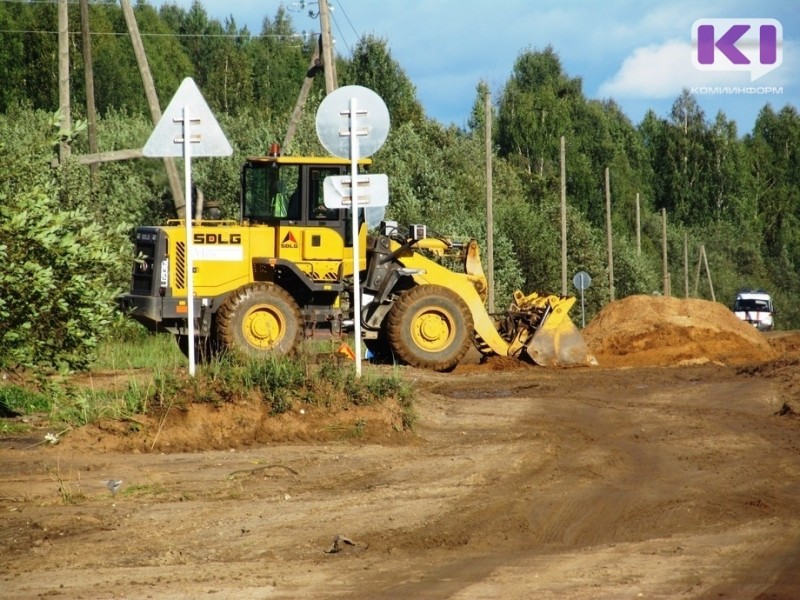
<point>785,343</point>
<point>664,331</point>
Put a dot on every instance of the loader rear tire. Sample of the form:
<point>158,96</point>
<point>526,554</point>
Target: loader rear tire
<point>430,327</point>
<point>260,318</point>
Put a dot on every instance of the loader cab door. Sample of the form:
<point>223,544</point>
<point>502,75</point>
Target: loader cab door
<point>292,193</point>
<point>288,197</point>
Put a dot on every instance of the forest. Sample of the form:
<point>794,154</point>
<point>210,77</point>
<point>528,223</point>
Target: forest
<point>65,229</point>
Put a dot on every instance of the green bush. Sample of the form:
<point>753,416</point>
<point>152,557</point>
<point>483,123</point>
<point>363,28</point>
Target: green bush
<point>20,400</point>
<point>56,300</point>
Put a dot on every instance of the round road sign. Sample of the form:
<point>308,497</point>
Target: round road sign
<point>334,120</point>
<point>581,280</point>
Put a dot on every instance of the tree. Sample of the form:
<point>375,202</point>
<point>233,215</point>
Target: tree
<point>477,116</point>
<point>29,61</point>
<point>56,301</point>
<point>534,111</point>
<point>279,58</point>
<point>682,169</point>
<point>228,87</point>
<point>774,156</point>
<point>372,66</point>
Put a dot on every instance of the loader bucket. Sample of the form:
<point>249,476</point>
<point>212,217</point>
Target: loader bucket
<point>559,346</point>
<point>557,342</point>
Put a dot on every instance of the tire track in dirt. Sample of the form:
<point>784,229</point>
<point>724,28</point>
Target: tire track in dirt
<point>606,472</point>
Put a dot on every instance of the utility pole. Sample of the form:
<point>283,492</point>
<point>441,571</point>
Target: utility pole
<point>638,227</point>
<point>152,102</point>
<point>685,265</point>
<point>324,50</point>
<point>563,217</point>
<point>313,68</point>
<point>665,263</point>
<point>328,64</point>
<point>94,157</point>
<point>91,111</point>
<point>63,76</point>
<point>610,244</point>
<point>489,198</point>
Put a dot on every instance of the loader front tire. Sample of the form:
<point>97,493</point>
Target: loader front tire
<point>430,327</point>
<point>259,318</point>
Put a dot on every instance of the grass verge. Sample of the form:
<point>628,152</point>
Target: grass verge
<point>155,378</point>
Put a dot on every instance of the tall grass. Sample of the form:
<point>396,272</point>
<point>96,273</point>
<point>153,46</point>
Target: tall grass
<point>150,374</point>
<point>138,349</point>
<point>319,380</point>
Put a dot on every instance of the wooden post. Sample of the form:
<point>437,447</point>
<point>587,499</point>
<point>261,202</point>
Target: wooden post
<point>152,102</point>
<point>608,231</point>
<point>697,273</point>
<point>327,47</point>
<point>88,65</point>
<point>708,272</point>
<point>563,219</point>
<point>667,291</point>
<point>63,76</point>
<point>294,120</point>
<point>685,266</point>
<point>638,228</point>
<point>112,156</point>
<point>489,200</point>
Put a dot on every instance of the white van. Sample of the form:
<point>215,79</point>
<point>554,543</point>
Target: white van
<point>755,307</point>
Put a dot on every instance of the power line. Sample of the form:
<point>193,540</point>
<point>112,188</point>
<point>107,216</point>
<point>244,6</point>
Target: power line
<point>344,12</point>
<point>335,22</point>
<point>339,29</point>
<point>192,35</point>
<point>304,36</point>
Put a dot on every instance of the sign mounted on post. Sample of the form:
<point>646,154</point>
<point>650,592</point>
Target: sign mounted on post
<point>353,122</point>
<point>371,190</point>
<point>188,128</point>
<point>582,281</point>
<point>167,137</point>
<point>333,121</point>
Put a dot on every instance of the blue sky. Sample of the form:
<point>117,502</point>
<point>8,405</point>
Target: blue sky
<point>638,53</point>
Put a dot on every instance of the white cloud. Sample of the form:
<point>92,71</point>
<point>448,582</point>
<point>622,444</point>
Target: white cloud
<point>663,70</point>
<point>655,71</point>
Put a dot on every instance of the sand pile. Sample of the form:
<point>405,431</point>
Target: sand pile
<point>663,331</point>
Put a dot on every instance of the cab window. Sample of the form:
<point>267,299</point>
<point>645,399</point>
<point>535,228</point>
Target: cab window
<point>271,193</point>
<point>317,211</point>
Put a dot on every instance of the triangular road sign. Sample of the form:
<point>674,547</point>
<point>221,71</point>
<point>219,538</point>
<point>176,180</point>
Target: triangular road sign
<point>207,138</point>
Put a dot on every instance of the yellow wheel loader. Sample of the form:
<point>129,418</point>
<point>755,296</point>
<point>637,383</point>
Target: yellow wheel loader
<point>284,269</point>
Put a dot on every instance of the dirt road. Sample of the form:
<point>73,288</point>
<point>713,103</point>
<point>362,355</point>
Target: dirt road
<point>647,482</point>
<point>672,470</point>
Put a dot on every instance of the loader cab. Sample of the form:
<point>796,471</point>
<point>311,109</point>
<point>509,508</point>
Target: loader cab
<point>288,191</point>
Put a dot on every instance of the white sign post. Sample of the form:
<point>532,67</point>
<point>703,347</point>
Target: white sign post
<point>187,185</point>
<point>362,108</point>
<point>582,281</point>
<point>173,136</point>
<point>354,133</point>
